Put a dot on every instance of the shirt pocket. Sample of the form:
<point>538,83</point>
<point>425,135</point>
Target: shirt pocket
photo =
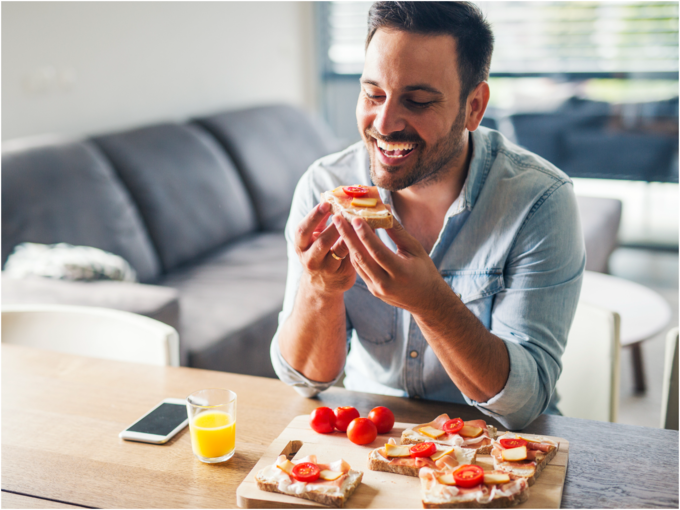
<point>373,320</point>
<point>476,289</point>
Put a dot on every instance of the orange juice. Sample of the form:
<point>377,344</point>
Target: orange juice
<point>213,434</point>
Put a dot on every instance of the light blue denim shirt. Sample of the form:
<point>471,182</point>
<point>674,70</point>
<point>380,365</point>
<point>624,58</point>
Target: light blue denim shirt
<point>511,248</point>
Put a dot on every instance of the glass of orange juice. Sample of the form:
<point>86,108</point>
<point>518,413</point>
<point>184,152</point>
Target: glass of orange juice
<point>212,423</point>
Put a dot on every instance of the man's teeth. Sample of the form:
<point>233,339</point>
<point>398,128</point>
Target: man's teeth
<point>395,146</point>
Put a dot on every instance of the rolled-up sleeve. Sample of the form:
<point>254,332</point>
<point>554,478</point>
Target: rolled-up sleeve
<point>303,202</point>
<point>534,312</point>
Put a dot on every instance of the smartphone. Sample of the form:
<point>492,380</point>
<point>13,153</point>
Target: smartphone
<point>160,424</point>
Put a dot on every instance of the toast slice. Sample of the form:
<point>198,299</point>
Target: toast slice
<point>333,493</point>
<point>451,456</point>
<point>377,216</point>
<point>481,443</point>
<point>540,451</point>
<point>435,494</point>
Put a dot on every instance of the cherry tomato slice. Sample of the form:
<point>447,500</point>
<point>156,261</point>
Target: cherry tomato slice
<point>306,472</point>
<point>468,476</point>
<point>453,426</point>
<point>355,191</point>
<point>512,443</point>
<point>423,450</point>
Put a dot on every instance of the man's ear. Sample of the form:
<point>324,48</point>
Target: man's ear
<point>477,102</point>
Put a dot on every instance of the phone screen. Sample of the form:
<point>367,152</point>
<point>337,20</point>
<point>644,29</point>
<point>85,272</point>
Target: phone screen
<point>162,420</point>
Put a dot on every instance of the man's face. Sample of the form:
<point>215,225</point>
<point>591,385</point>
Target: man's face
<point>409,113</point>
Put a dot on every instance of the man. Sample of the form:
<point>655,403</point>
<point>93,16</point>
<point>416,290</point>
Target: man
<point>469,298</point>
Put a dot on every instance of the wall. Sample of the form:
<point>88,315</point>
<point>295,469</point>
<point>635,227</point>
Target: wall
<point>86,67</point>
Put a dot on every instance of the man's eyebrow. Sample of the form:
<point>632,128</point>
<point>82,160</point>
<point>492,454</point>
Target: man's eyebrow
<point>424,87</point>
<point>409,88</point>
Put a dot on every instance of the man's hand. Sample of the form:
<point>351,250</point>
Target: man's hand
<point>315,243</point>
<point>407,279</point>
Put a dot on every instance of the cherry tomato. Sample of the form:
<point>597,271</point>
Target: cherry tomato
<point>355,191</point>
<point>306,472</point>
<point>468,476</point>
<point>512,443</point>
<point>383,419</point>
<point>423,450</point>
<point>322,420</point>
<point>343,417</point>
<point>362,431</point>
<point>453,426</point>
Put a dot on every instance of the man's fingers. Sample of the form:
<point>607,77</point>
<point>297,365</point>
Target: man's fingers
<point>306,228</point>
<point>339,249</point>
<point>403,239</point>
<point>375,247</point>
<point>361,259</point>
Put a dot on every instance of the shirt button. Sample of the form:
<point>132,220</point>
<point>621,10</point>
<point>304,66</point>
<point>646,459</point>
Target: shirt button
<point>414,354</point>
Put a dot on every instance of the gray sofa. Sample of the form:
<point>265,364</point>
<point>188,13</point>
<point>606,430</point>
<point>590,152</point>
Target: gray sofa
<point>198,210</point>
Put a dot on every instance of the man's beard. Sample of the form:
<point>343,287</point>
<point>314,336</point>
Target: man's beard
<point>431,163</point>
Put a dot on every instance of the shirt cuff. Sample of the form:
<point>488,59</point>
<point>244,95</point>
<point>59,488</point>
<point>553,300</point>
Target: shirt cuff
<point>290,376</point>
<point>512,406</point>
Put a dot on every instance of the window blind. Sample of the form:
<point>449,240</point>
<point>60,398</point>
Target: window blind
<point>541,38</point>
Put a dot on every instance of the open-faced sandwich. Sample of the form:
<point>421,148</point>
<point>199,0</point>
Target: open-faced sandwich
<point>468,486</point>
<point>359,201</point>
<point>522,457</point>
<point>474,434</point>
<point>408,459</point>
<point>328,484</point>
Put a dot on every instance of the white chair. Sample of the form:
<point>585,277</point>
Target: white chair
<point>90,331</point>
<point>669,401</point>
<point>589,384</point>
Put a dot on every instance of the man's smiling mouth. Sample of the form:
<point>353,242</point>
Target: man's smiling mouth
<point>395,150</point>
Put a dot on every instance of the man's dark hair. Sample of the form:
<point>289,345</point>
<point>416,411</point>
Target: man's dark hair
<point>462,20</point>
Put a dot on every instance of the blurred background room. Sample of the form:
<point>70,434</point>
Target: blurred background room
<point>151,150</point>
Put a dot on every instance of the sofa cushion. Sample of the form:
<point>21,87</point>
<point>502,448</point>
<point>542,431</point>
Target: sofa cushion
<point>68,192</point>
<point>187,190</point>
<point>160,303</point>
<point>229,305</point>
<point>272,147</point>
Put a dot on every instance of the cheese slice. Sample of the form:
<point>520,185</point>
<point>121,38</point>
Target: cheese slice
<point>286,466</point>
<point>446,479</point>
<point>329,475</point>
<point>470,431</point>
<point>431,432</point>
<point>364,202</point>
<point>515,454</point>
<point>441,453</point>
<point>496,478</point>
<point>397,450</point>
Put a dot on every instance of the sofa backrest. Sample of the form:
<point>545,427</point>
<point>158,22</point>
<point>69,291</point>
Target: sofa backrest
<point>272,146</point>
<point>187,190</point>
<point>68,192</point>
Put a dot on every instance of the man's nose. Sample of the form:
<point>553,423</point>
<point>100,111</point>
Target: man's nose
<point>389,118</point>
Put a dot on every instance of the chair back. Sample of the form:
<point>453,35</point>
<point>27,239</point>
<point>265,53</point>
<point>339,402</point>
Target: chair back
<point>91,331</point>
<point>669,401</point>
<point>589,384</point>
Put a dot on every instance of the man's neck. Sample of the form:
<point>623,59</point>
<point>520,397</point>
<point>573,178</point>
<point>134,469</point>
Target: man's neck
<point>440,194</point>
<point>423,207</point>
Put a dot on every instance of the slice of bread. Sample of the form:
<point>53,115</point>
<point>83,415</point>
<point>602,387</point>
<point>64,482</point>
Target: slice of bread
<point>379,461</point>
<point>412,436</point>
<point>436,495</point>
<point>332,500</point>
<point>376,217</point>
<point>529,469</point>
<point>334,494</point>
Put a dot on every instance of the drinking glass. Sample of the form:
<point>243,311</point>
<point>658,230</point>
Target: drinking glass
<point>212,423</point>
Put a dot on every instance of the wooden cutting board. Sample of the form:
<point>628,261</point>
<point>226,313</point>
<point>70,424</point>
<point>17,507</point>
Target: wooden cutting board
<point>377,489</point>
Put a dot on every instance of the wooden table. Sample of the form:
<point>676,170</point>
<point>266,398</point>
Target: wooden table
<point>61,415</point>
<point>644,313</point>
